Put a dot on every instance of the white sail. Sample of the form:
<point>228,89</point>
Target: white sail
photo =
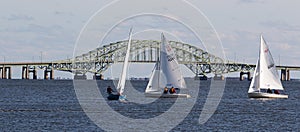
<point>265,76</point>
<point>154,83</point>
<point>254,86</point>
<point>121,83</point>
<point>170,66</point>
<point>268,77</point>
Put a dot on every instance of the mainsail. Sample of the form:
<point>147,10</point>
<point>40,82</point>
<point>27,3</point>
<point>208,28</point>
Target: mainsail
<point>268,77</point>
<point>170,66</point>
<point>121,83</point>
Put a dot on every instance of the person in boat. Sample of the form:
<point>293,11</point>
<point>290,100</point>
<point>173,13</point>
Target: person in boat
<point>269,90</point>
<point>109,90</point>
<point>276,91</point>
<point>166,90</point>
<point>172,90</point>
<point>111,95</point>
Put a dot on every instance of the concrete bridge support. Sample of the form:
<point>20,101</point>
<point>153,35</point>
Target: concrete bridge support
<point>219,77</point>
<point>98,77</point>
<point>200,77</point>
<point>242,76</point>
<point>8,70</point>
<point>34,73</point>
<point>48,74</point>
<point>25,72</point>
<point>285,75</point>
<point>5,72</point>
<point>80,76</point>
<point>1,72</point>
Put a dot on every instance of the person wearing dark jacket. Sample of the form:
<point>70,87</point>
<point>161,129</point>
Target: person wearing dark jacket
<point>172,90</point>
<point>269,90</point>
<point>165,90</point>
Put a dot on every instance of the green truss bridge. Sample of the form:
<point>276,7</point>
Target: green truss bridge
<point>100,59</point>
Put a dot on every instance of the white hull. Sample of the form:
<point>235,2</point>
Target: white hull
<point>266,95</point>
<point>162,95</point>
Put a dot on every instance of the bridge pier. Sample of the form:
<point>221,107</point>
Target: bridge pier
<point>1,71</point>
<point>80,76</point>
<point>49,71</point>
<point>285,75</point>
<point>98,77</point>
<point>248,76</point>
<point>200,77</point>
<point>219,77</point>
<point>5,72</point>
<point>25,72</point>
<point>9,72</point>
<point>33,71</point>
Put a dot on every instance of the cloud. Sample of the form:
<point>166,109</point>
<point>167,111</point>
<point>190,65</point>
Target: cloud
<point>17,17</point>
<point>227,36</point>
<point>251,1</point>
<point>280,25</point>
<point>63,13</point>
<point>285,46</point>
<point>27,41</point>
<point>34,28</point>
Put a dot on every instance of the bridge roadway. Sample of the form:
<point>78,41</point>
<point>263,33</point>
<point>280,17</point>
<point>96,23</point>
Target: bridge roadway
<point>96,61</point>
<point>49,67</point>
<point>25,63</point>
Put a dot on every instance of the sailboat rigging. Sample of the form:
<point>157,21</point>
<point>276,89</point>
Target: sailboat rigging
<point>167,65</point>
<point>122,80</point>
<point>265,76</point>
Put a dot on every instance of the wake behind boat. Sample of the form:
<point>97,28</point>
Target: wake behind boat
<point>265,76</point>
<point>167,65</point>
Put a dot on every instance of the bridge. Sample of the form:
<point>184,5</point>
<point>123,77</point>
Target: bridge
<point>100,59</point>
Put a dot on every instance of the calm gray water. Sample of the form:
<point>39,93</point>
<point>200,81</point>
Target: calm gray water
<point>42,105</point>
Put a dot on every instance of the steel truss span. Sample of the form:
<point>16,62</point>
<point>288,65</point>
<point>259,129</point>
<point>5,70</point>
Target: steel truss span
<point>197,60</point>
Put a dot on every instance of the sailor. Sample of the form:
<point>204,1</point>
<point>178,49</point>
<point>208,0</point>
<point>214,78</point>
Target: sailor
<point>172,90</point>
<point>166,90</point>
<point>111,95</point>
<point>109,90</point>
<point>269,90</point>
<point>276,91</point>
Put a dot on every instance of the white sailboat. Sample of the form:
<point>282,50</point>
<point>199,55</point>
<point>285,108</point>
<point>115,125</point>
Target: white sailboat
<point>167,65</point>
<point>265,76</point>
<point>122,80</point>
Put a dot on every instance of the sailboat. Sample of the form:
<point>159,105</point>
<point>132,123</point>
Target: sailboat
<point>265,76</point>
<point>122,80</point>
<point>167,65</point>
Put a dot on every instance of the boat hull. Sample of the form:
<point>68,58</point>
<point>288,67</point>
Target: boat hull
<point>266,95</point>
<point>161,95</point>
<point>113,97</point>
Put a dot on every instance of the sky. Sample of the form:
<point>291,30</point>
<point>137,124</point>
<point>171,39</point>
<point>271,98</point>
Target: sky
<point>35,30</point>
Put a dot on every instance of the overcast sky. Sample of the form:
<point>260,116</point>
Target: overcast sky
<point>30,28</point>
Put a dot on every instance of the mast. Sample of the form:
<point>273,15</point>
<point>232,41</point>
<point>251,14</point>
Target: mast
<point>122,80</point>
<point>158,69</point>
<point>260,61</point>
